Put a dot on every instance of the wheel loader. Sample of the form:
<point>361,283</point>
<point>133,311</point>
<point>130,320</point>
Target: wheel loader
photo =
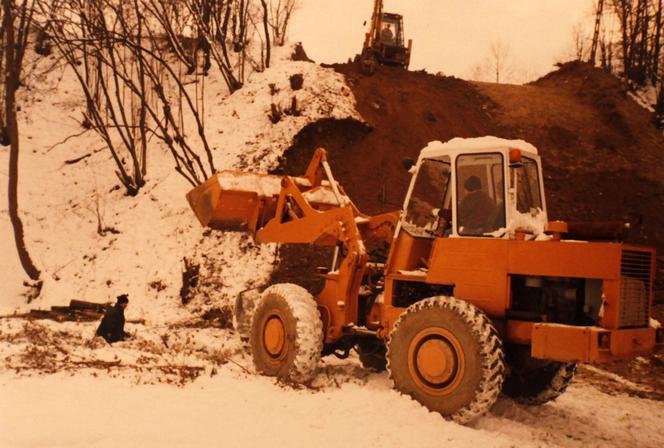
<point>384,43</point>
<point>467,292</point>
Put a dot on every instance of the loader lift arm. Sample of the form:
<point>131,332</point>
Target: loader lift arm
<point>313,209</point>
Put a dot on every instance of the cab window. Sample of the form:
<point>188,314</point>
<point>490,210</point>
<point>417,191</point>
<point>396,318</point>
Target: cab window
<point>528,196</point>
<point>480,194</point>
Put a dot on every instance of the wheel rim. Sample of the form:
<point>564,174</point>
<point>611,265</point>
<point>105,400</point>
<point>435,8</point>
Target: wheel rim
<point>274,336</point>
<point>435,361</point>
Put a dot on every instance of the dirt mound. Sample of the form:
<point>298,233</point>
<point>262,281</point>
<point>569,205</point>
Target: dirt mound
<point>403,112</point>
<point>601,151</point>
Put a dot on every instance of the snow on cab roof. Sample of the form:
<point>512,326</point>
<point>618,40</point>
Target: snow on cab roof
<point>478,144</point>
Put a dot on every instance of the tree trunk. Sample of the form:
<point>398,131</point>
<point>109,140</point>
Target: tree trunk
<point>658,45</point>
<point>11,84</point>
<point>267,33</point>
<point>643,57</point>
<point>624,20</point>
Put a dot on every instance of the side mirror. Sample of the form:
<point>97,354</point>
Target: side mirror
<point>407,163</point>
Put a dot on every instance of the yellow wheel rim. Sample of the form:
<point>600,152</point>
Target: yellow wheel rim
<point>274,336</point>
<point>435,361</point>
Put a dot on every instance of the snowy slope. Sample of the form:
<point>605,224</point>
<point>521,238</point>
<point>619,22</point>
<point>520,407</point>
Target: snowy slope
<point>157,228</point>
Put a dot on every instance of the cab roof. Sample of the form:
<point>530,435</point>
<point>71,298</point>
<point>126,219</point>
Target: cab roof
<point>474,145</point>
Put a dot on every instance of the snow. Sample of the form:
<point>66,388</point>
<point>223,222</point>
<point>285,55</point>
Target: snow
<point>644,96</point>
<point>322,195</point>
<point>133,394</point>
<point>259,145</point>
<point>266,185</point>
<point>422,272</point>
<point>236,409</point>
<point>534,222</point>
<point>479,144</point>
<point>261,184</point>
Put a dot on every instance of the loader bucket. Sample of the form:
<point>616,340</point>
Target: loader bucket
<point>232,200</point>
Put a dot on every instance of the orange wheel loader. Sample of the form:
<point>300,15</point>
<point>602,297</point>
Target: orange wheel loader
<point>479,292</point>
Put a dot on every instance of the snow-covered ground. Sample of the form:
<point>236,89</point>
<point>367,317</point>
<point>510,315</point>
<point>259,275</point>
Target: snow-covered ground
<point>181,385</point>
<point>182,380</point>
<point>236,409</point>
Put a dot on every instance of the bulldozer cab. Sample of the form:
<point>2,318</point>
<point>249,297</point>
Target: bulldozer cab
<point>489,191</point>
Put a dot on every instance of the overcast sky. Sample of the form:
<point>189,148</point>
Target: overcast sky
<point>450,36</point>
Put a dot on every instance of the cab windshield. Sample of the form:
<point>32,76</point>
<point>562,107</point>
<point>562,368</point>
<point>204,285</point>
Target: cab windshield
<point>430,195</point>
<point>391,32</point>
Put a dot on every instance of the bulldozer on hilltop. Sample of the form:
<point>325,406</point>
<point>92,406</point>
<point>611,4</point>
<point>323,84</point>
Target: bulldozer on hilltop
<point>467,292</point>
<point>384,42</point>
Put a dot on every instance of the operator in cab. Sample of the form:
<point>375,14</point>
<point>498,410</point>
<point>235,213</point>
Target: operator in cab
<point>476,208</point>
<point>386,35</point>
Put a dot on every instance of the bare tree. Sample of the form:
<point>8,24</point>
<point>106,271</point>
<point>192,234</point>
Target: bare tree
<point>14,43</point>
<point>478,72</point>
<point>640,38</point>
<point>606,53</point>
<point>281,12</point>
<point>138,61</point>
<point>87,31</point>
<point>211,18</point>
<point>132,86</point>
<point>579,39</point>
<point>498,59</point>
<point>657,42</point>
<point>266,29</point>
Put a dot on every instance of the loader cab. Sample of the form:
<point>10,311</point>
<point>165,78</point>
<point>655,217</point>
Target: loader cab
<point>488,188</point>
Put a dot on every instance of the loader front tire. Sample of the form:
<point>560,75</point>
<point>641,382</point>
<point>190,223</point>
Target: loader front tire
<point>446,354</point>
<point>286,336</point>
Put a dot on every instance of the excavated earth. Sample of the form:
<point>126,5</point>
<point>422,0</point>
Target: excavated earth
<point>603,158</point>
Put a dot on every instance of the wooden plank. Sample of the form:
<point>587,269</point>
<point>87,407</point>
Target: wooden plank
<point>83,305</point>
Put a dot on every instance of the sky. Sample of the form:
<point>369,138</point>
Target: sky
<point>451,36</point>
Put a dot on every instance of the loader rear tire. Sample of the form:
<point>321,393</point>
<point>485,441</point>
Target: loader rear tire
<point>286,336</point>
<point>446,354</point>
<point>535,382</point>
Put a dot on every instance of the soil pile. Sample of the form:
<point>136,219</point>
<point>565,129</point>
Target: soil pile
<point>602,153</point>
<point>403,111</point>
